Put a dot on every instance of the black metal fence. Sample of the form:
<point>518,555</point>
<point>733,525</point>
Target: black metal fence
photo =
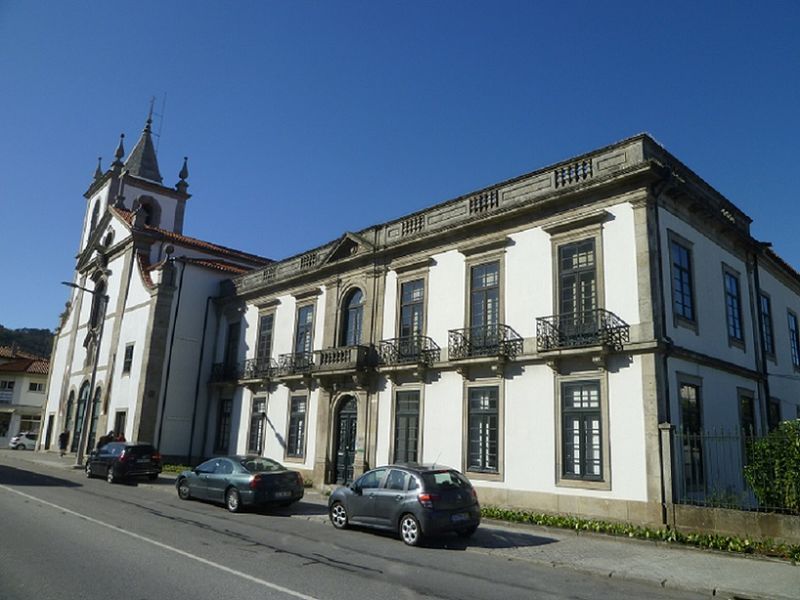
<point>708,469</point>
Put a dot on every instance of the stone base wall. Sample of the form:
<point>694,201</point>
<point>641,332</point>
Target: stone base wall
<point>741,523</point>
<point>623,511</point>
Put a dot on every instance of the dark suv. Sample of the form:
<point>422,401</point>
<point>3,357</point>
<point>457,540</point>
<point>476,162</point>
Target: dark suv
<point>414,500</point>
<point>123,460</point>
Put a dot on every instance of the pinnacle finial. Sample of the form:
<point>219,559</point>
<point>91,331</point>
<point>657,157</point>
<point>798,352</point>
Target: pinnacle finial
<point>98,172</point>
<point>182,185</point>
<point>120,152</point>
<point>149,121</point>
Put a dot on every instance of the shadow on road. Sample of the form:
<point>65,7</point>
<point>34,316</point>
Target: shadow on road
<point>298,508</point>
<point>20,477</point>
<point>490,538</point>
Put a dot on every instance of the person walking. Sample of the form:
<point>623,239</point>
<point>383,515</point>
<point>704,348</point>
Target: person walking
<point>63,440</point>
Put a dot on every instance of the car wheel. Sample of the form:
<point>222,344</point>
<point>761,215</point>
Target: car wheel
<point>410,531</point>
<point>110,477</point>
<point>88,470</point>
<point>468,532</point>
<point>184,493</point>
<point>233,500</point>
<point>338,515</point>
<point>20,447</point>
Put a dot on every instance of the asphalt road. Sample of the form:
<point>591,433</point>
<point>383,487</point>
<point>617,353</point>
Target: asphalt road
<point>63,536</point>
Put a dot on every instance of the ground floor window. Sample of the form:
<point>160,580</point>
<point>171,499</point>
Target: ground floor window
<point>119,422</point>
<point>582,443</point>
<point>483,429</point>
<point>30,423</point>
<point>296,446</point>
<point>406,426</point>
<point>691,436</point>
<point>255,440</point>
<point>223,437</point>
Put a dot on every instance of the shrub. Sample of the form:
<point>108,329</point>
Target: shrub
<point>773,469</point>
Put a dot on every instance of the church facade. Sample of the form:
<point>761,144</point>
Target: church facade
<point>544,334</point>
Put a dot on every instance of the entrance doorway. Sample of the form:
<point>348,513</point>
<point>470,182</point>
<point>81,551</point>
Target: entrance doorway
<point>345,440</point>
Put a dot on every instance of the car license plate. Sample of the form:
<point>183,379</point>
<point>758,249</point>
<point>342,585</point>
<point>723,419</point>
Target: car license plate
<point>458,517</point>
<point>143,460</point>
<point>283,494</point>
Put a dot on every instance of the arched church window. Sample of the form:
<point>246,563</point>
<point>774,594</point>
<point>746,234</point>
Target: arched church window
<point>95,217</point>
<point>352,318</point>
<point>98,304</point>
<point>150,209</point>
<point>108,239</point>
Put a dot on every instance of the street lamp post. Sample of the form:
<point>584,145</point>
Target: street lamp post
<point>90,399</point>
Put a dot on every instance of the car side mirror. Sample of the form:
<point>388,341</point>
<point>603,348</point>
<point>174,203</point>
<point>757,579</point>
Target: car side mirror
<point>356,488</point>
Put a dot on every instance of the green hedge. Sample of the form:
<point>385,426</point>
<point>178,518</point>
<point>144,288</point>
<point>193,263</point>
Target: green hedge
<point>773,467</point>
<point>700,540</point>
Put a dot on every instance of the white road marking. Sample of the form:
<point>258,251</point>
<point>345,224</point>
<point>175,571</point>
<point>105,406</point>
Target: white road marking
<point>268,584</point>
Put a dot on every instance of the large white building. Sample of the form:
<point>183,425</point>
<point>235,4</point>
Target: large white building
<point>143,291</point>
<point>536,334</point>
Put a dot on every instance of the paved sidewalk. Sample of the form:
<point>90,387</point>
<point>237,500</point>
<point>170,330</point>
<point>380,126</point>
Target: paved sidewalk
<point>717,574</point>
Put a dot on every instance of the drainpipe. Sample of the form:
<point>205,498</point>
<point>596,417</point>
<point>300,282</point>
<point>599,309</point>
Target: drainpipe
<point>169,356</point>
<point>197,384</point>
<point>761,351</point>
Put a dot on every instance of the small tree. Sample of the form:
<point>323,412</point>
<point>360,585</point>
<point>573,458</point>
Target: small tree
<point>773,469</point>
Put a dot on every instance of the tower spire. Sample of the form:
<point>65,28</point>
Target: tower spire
<point>98,172</point>
<point>118,154</point>
<point>142,160</point>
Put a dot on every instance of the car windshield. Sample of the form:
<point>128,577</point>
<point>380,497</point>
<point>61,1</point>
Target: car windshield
<point>260,465</point>
<point>444,480</point>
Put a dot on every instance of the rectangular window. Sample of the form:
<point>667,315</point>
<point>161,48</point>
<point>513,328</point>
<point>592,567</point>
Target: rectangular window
<point>765,314</point>
<point>255,438</point>
<point>128,360</point>
<point>794,340</point>
<point>232,349</point>
<point>682,282</point>
<point>30,423</point>
<point>6,391</point>
<point>7,385</point>
<point>747,414</point>
<point>297,427</point>
<point>223,436</point>
<point>412,308</point>
<point>483,423</point>
<point>264,347</point>
<point>733,306</point>
<point>582,432</point>
<point>303,339</point>
<point>119,422</point>
<point>692,441</point>
<point>773,413</point>
<point>406,426</point>
<point>35,387</point>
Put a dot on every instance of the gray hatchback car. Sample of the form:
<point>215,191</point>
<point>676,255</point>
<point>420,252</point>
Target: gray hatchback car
<point>413,499</point>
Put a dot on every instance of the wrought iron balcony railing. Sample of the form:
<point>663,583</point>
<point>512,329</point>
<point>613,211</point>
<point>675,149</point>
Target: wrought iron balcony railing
<point>295,363</point>
<point>341,359</point>
<point>225,372</point>
<point>413,349</point>
<point>260,368</point>
<point>484,340</point>
<point>596,327</point>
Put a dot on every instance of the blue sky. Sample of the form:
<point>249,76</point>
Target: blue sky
<point>303,120</point>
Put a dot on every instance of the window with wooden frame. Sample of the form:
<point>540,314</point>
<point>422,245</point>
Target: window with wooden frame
<point>682,273</point>
<point>765,318</point>
<point>483,429</point>
<point>264,344</point>
<point>733,306</point>
<point>222,438</point>
<point>255,437</point>
<point>296,436</point>
<point>794,340</point>
<point>406,426</point>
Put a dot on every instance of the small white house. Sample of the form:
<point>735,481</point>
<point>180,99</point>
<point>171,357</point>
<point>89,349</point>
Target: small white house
<point>23,379</point>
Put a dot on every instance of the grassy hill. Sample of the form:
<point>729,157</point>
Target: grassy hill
<point>35,341</point>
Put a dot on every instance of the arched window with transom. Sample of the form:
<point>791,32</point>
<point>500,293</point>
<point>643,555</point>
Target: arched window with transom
<point>352,318</point>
